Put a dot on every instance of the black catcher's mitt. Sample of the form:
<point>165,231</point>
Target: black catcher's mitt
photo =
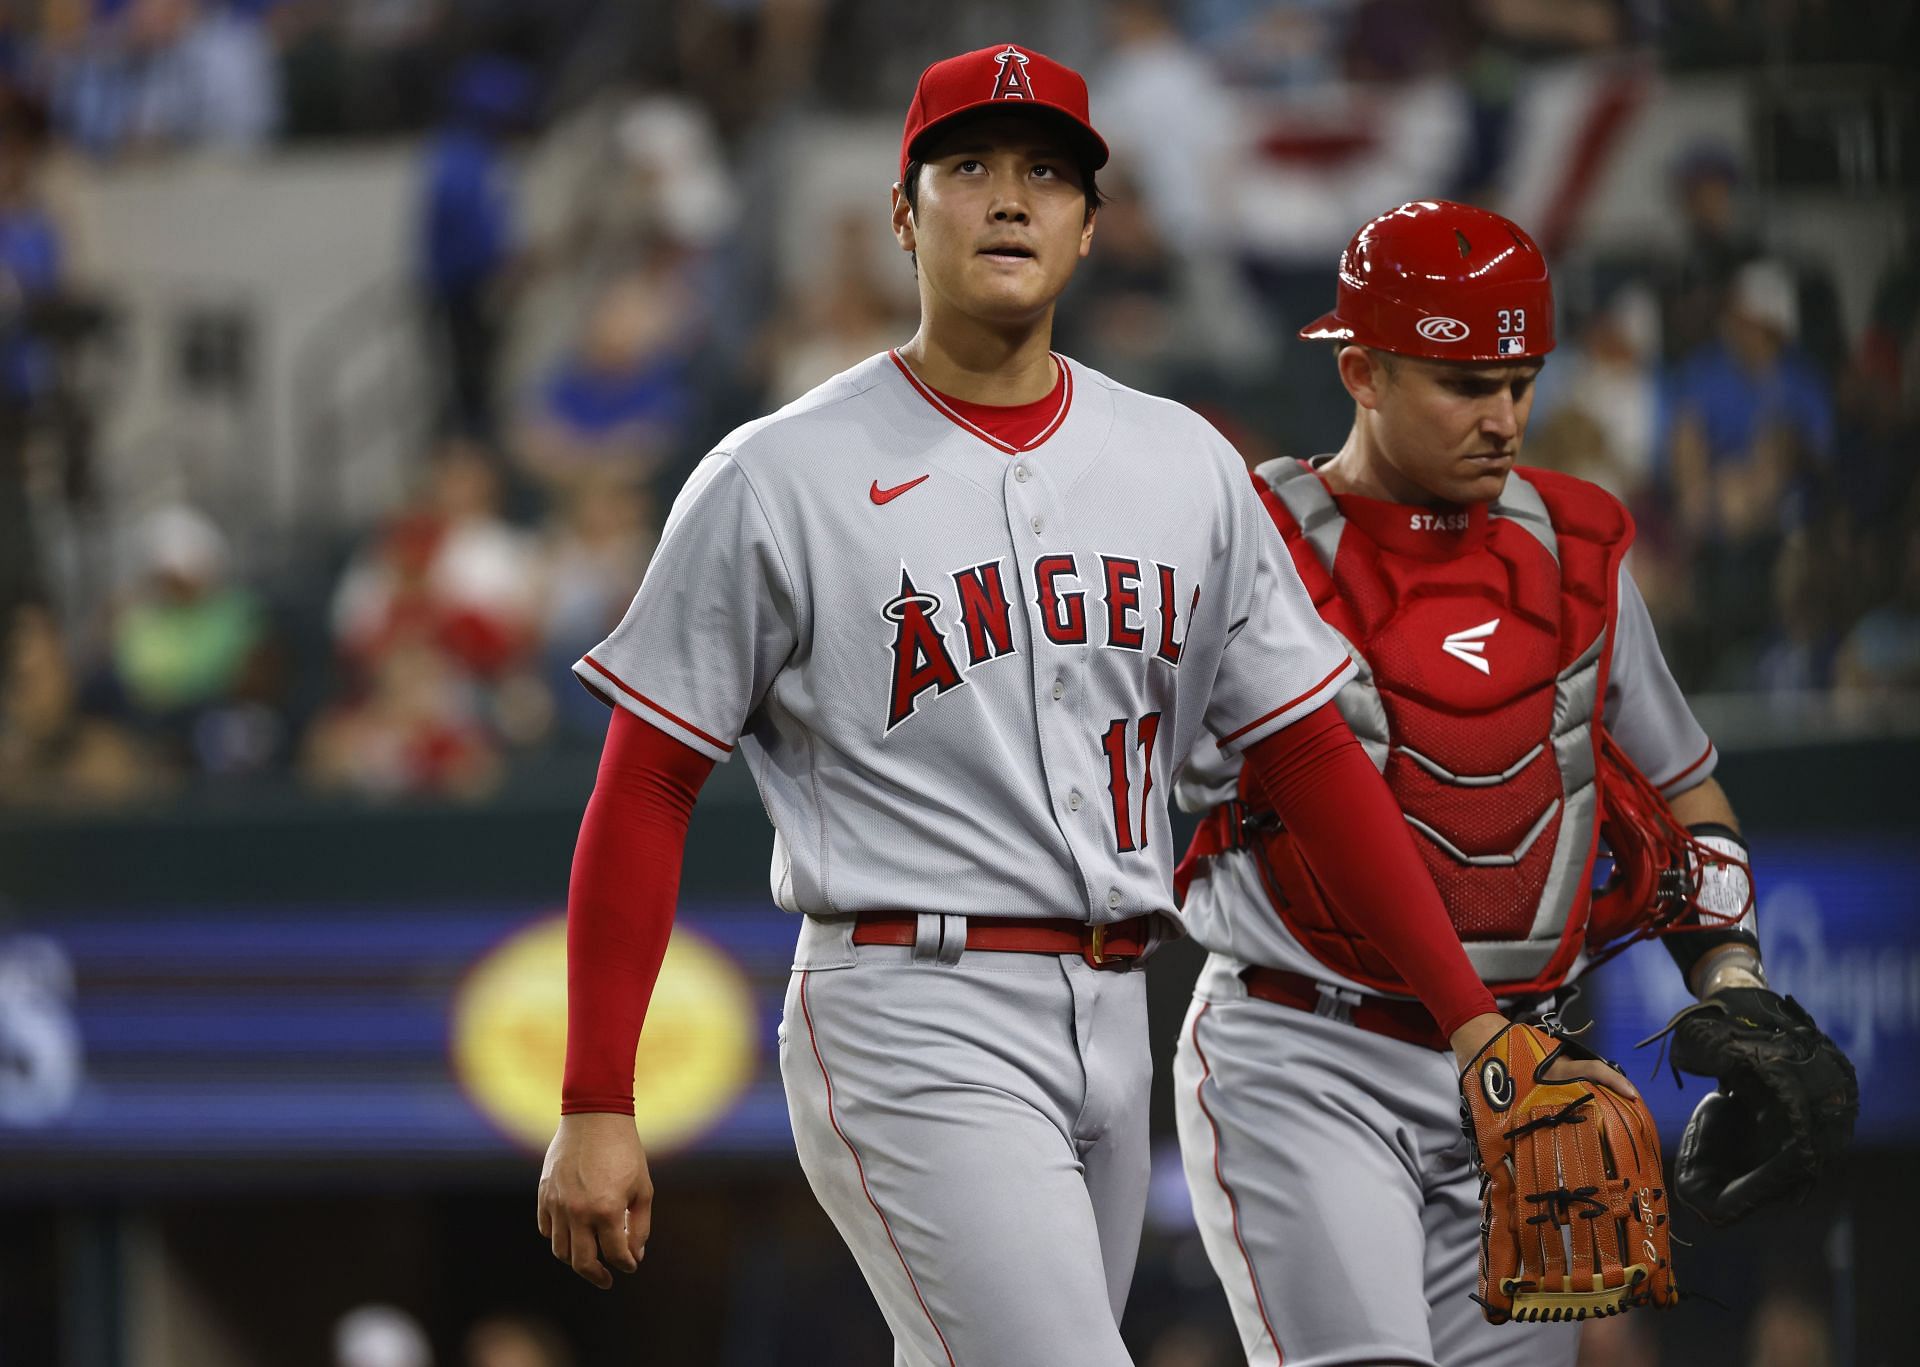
<point>1784,1109</point>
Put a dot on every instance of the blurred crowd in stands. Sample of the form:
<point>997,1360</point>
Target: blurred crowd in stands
<point>1765,446</point>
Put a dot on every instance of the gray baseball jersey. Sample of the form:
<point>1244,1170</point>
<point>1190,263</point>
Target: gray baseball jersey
<point>964,677</point>
<point>1645,711</point>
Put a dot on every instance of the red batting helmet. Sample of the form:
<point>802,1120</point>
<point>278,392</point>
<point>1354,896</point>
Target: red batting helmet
<point>1446,281</point>
<point>989,77</point>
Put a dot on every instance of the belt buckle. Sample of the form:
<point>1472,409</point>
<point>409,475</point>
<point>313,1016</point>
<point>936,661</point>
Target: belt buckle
<point>1094,951</point>
<point>1336,1003</point>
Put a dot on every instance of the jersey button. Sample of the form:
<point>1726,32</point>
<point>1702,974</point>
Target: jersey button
<point>1059,690</point>
<point>1021,474</point>
<point>1037,524</point>
<point>1113,897</point>
<point>1073,800</point>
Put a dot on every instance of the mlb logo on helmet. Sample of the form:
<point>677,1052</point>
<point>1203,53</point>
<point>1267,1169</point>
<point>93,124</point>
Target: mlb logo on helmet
<point>1512,346</point>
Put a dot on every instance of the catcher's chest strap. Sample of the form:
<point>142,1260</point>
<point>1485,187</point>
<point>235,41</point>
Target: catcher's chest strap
<point>1407,1021</point>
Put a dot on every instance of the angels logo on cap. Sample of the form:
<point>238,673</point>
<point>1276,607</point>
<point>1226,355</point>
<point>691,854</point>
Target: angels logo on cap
<point>992,76</point>
<point>1012,83</point>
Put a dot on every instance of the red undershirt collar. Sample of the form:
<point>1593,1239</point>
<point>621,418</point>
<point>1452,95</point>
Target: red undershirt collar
<point>1011,428</point>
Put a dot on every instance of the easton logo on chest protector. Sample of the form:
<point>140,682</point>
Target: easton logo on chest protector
<point>1470,646</point>
<point>1138,609</point>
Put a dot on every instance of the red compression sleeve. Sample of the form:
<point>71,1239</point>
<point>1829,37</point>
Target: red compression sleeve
<point>1351,831</point>
<point>626,878</point>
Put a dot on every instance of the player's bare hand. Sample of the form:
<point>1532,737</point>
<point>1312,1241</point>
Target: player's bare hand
<point>1595,1070</point>
<point>1471,1038</point>
<point>596,1198</point>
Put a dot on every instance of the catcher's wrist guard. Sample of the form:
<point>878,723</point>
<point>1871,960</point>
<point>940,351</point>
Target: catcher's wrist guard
<point>1573,1206</point>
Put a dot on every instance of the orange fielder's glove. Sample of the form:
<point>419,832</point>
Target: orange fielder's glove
<point>1573,1206</point>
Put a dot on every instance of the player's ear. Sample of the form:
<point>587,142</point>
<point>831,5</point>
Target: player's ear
<point>1086,232</point>
<point>1363,373</point>
<point>903,219</point>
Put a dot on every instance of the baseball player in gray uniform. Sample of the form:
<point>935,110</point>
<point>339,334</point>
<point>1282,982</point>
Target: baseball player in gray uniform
<point>963,608</point>
<point>1508,686</point>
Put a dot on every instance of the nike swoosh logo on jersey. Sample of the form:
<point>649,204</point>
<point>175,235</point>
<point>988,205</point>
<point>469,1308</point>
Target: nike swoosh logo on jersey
<point>879,495</point>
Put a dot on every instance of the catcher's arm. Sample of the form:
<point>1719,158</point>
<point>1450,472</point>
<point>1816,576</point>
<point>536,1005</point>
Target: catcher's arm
<point>1726,955</point>
<point>1787,1097</point>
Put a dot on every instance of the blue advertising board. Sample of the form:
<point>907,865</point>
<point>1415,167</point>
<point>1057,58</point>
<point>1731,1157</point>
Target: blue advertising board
<point>208,1039</point>
<point>297,1034</point>
<point>1840,931</point>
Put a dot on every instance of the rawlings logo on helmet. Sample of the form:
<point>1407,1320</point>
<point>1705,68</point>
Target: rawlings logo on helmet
<point>1012,82</point>
<point>1436,328</point>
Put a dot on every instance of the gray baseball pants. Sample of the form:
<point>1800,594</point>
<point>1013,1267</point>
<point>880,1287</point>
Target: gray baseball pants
<point>977,1131</point>
<point>1335,1194</point>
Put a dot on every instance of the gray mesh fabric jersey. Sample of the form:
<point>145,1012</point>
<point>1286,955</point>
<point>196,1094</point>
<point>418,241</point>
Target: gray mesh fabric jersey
<point>965,675</point>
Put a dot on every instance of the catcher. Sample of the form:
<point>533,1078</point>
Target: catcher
<point>1512,692</point>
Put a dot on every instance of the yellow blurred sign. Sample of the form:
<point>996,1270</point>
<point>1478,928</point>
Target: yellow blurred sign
<point>509,1031</point>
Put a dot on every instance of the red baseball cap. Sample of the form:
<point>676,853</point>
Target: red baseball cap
<point>998,75</point>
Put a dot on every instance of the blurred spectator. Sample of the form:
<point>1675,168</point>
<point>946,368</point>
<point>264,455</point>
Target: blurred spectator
<point>1622,1341</point>
<point>1882,652</point>
<point>29,278</point>
<point>192,658</point>
<point>1125,313</point>
<point>679,185</point>
<point>51,754</point>
<point>1752,426</point>
<point>416,729</point>
<point>1607,378</point>
<point>1571,440</point>
<point>596,557</point>
<point>380,1336</point>
<point>161,74</point>
<point>1718,242</point>
<point>844,317</point>
<point>1798,657</point>
<point>1750,414</point>
<point>1258,43</point>
<point>620,402</point>
<point>447,570</point>
<point>1165,110</point>
<point>467,233</point>
<point>1788,1332</point>
<point>1890,351</point>
<point>744,59</point>
<point>516,1341</point>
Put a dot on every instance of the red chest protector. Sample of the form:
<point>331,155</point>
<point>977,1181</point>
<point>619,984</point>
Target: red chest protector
<point>1482,636</point>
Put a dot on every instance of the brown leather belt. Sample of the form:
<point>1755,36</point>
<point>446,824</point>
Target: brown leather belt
<point>1103,946</point>
<point>1408,1021</point>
